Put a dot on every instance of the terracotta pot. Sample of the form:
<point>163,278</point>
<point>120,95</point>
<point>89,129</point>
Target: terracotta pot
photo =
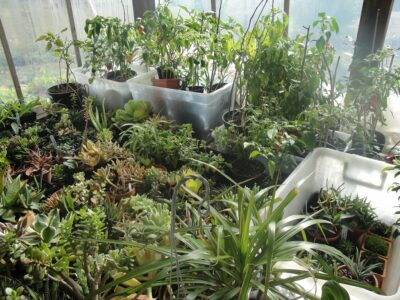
<point>383,260</point>
<point>377,283</point>
<point>319,237</point>
<point>167,83</point>
<point>389,243</point>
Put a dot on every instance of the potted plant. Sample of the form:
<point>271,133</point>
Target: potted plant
<point>163,43</point>
<point>68,93</point>
<point>381,229</point>
<point>110,48</point>
<point>371,82</point>
<point>377,245</point>
<point>379,262</point>
<point>360,269</point>
<point>206,65</point>
<point>331,208</point>
<point>363,216</point>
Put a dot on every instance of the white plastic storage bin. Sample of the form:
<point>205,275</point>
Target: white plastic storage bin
<point>359,175</point>
<point>203,111</point>
<point>114,94</point>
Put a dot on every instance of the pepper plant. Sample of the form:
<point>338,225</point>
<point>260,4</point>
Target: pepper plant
<point>111,46</point>
<point>163,41</point>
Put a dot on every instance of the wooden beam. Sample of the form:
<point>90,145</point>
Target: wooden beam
<point>140,6</point>
<point>73,32</point>
<point>286,9</point>
<point>10,62</point>
<point>372,28</point>
<point>214,6</point>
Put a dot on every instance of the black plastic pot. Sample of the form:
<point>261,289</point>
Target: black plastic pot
<point>249,171</point>
<point>196,89</point>
<point>117,76</point>
<point>377,144</point>
<point>234,118</point>
<point>217,86</point>
<point>28,117</point>
<point>71,95</point>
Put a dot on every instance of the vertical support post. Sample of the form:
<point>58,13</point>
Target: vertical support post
<point>73,32</point>
<point>286,9</point>
<point>140,6</point>
<point>214,7</point>
<point>372,28</point>
<point>10,63</point>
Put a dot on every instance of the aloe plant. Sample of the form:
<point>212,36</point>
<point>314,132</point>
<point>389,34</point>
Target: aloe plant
<point>16,197</point>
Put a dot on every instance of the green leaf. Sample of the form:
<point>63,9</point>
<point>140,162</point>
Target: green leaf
<point>332,290</point>
<point>48,46</point>
<point>41,38</point>
<point>48,233</point>
<point>271,168</point>
<point>320,44</point>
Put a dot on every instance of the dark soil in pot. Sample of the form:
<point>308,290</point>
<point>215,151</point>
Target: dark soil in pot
<point>71,95</point>
<point>234,118</point>
<point>29,117</point>
<point>330,238</point>
<point>343,271</point>
<point>196,89</point>
<point>250,170</point>
<point>217,86</point>
<point>119,76</point>
<point>376,146</point>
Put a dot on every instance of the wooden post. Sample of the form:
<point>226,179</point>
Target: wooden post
<point>10,63</point>
<point>214,6</point>
<point>140,6</point>
<point>73,32</point>
<point>286,9</point>
<point>373,25</point>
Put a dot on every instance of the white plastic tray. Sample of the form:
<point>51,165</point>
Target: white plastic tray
<point>203,111</point>
<point>359,175</point>
<point>114,94</point>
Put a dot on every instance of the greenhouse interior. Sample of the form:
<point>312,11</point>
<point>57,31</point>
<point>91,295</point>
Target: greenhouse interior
<point>199,149</point>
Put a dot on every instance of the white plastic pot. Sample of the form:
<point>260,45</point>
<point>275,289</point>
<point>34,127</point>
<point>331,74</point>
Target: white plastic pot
<point>203,111</point>
<point>360,176</point>
<point>114,94</point>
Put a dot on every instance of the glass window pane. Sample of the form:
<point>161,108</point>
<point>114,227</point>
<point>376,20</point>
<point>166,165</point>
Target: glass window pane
<point>393,34</point>
<point>7,91</point>
<point>241,11</point>
<point>24,21</point>
<point>347,13</point>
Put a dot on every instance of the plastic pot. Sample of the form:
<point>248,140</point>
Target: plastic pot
<point>167,83</point>
<point>196,89</point>
<point>69,94</point>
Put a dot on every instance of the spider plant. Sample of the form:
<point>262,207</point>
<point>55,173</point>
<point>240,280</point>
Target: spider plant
<point>235,251</point>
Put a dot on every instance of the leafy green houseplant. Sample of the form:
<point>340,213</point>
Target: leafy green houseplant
<point>372,81</point>
<point>163,44</point>
<point>240,253</point>
<point>360,269</point>
<point>330,207</point>
<point>206,64</point>
<point>110,48</point>
<point>68,93</point>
